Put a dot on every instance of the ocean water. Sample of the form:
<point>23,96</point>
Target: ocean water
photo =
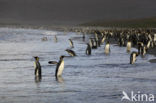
<point>98,78</point>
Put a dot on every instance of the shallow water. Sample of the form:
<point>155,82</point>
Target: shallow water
<point>86,79</point>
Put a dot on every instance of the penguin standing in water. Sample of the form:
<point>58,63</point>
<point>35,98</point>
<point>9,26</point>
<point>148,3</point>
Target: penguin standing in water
<point>133,57</point>
<point>154,39</point>
<point>59,67</point>
<point>71,52</point>
<point>83,37</point>
<point>91,42</point>
<point>107,48</point>
<point>103,39</point>
<point>140,45</point>
<point>88,50</point>
<point>38,72</point>
<point>129,45</point>
<point>55,38</point>
<point>143,51</point>
<point>71,43</point>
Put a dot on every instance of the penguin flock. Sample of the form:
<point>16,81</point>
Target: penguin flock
<point>142,39</point>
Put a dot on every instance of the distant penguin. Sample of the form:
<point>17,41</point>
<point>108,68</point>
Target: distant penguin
<point>148,44</point>
<point>91,42</point>
<point>140,45</point>
<point>154,39</point>
<point>121,41</point>
<point>133,57</point>
<point>83,37</point>
<point>44,39</point>
<point>37,66</point>
<point>129,45</point>
<point>71,43</point>
<point>94,43</point>
<point>71,52</point>
<point>107,48</point>
<point>55,38</point>
<point>103,39</point>
<point>88,50</point>
<point>143,51</point>
<point>59,67</point>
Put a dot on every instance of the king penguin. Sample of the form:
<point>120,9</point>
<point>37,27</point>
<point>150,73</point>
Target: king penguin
<point>107,48</point>
<point>71,52</point>
<point>37,66</point>
<point>71,43</point>
<point>140,45</point>
<point>143,51</point>
<point>55,38</point>
<point>59,67</point>
<point>129,45</point>
<point>88,50</point>
<point>133,57</point>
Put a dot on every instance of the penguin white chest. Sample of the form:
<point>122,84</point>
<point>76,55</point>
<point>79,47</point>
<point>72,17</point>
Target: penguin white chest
<point>154,37</point>
<point>107,48</point>
<point>128,46</point>
<point>35,65</point>
<point>134,58</point>
<point>60,69</point>
<point>37,72</point>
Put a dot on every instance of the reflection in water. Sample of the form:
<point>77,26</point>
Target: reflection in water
<point>60,79</point>
<point>38,79</point>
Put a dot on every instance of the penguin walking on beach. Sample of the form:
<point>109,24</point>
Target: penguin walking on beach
<point>71,52</point>
<point>71,43</point>
<point>133,57</point>
<point>107,48</point>
<point>129,45</point>
<point>88,50</point>
<point>37,66</point>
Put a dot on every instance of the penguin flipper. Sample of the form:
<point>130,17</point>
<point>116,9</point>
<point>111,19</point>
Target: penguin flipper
<point>52,62</point>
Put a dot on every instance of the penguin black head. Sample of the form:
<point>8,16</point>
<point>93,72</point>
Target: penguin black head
<point>67,50</point>
<point>36,58</point>
<point>107,42</point>
<point>62,56</point>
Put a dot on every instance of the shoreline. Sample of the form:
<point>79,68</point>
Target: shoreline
<point>151,51</point>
